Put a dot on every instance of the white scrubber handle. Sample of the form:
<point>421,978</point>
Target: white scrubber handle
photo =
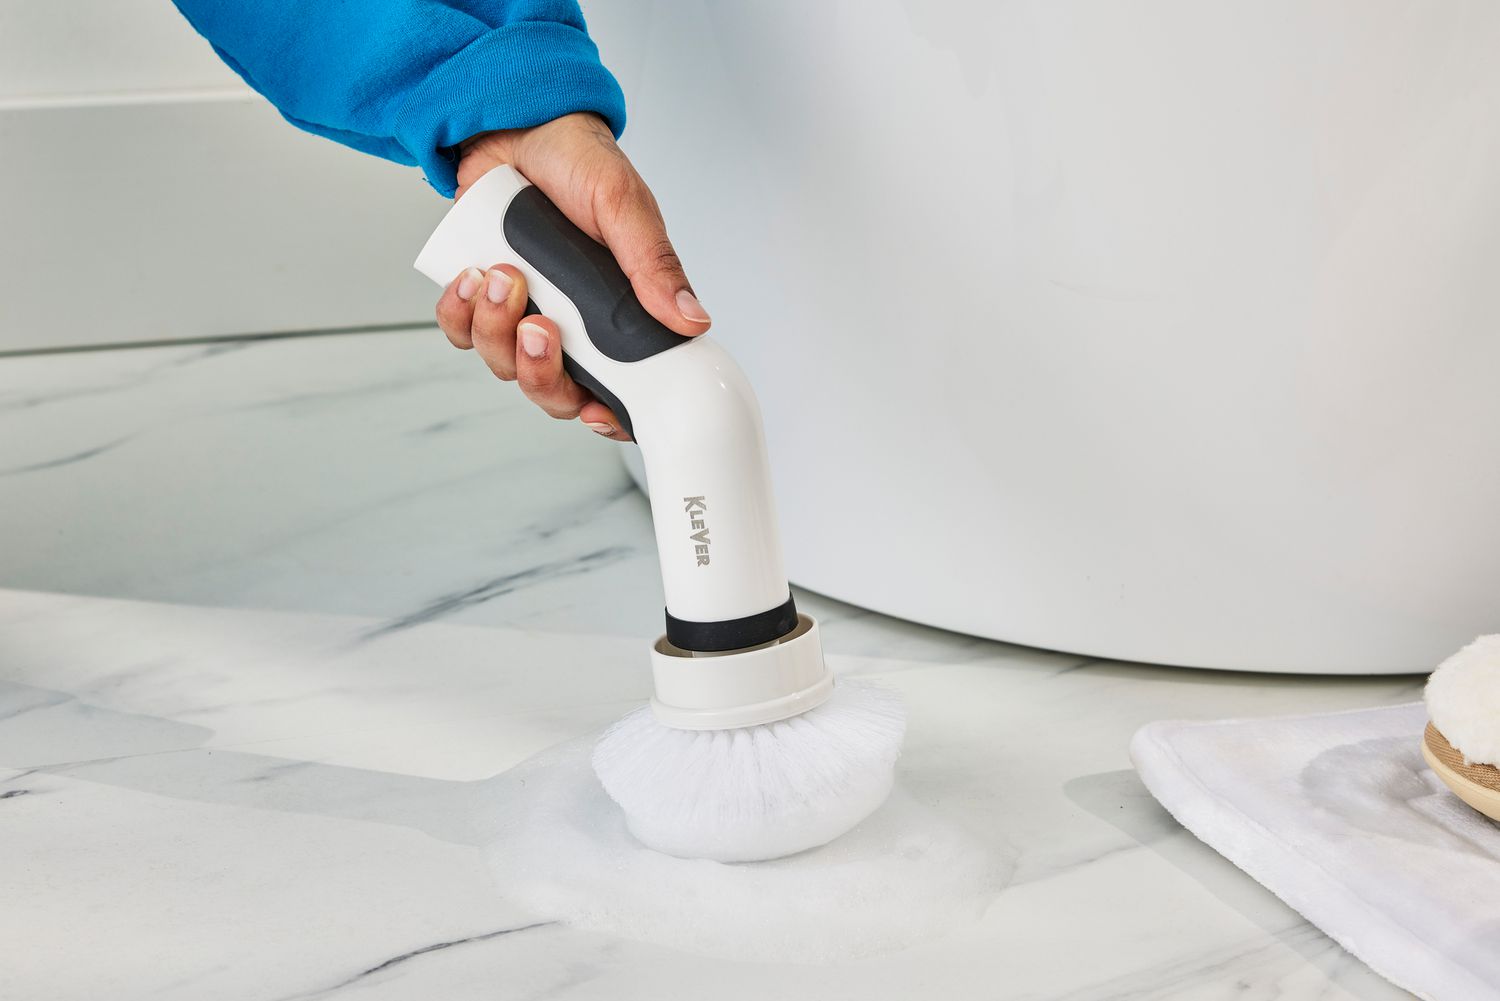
<point>683,399</point>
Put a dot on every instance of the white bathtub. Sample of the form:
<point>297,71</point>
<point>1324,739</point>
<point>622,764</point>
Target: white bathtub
<point>1165,331</point>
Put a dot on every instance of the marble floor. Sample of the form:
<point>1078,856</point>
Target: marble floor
<point>276,612</point>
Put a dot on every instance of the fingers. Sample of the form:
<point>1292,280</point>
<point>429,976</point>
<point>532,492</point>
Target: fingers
<point>602,421</point>
<point>574,159</point>
<point>632,227</point>
<point>455,309</point>
<point>540,373</point>
<point>497,308</point>
<point>483,310</point>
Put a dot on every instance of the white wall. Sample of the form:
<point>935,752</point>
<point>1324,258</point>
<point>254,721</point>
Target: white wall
<point>148,194</point>
<point>50,48</point>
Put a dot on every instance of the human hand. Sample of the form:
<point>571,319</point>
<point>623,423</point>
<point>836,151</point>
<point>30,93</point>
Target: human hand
<point>575,163</point>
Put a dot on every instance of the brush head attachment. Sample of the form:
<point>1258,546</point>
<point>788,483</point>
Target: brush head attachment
<point>1463,700</point>
<point>759,684</point>
<point>757,792</point>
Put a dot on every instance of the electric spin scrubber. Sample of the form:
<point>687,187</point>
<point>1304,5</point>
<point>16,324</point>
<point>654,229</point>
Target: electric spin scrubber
<point>748,750</point>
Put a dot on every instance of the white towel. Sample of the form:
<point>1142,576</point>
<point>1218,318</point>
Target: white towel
<point>1340,817</point>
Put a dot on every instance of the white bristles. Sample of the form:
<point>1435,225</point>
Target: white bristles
<point>758,792</point>
<point>1463,700</point>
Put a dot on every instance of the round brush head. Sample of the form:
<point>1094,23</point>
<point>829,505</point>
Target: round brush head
<point>1463,700</point>
<point>1462,741</point>
<point>754,792</point>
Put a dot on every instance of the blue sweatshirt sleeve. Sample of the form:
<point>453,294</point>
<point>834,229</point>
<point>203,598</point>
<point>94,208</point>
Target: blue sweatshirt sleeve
<point>409,80</point>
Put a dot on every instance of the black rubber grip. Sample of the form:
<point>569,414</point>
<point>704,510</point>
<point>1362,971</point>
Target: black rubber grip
<point>733,634</point>
<point>586,273</point>
<point>586,379</point>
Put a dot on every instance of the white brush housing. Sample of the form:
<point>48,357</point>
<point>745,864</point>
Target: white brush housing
<point>741,688</point>
<point>698,425</point>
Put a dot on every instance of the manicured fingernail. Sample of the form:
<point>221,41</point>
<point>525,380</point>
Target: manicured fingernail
<point>599,427</point>
<point>689,306</point>
<point>497,289</point>
<point>533,339</point>
<point>468,283</point>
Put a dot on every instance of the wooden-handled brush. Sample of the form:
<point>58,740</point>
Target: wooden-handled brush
<point>1462,740</point>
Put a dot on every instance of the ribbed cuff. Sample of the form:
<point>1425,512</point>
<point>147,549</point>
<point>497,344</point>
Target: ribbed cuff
<point>516,76</point>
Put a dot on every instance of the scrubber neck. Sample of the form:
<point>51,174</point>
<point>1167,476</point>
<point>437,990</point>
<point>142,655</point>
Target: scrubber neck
<point>683,399</point>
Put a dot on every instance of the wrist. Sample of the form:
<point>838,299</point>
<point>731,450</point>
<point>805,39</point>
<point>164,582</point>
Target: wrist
<point>485,150</point>
<point>480,152</point>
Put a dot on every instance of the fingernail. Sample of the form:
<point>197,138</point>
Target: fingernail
<point>533,340</point>
<point>689,306</point>
<point>599,427</point>
<point>468,283</point>
<point>498,287</point>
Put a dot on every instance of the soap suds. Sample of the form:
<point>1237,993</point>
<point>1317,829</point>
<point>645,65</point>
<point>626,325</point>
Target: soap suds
<point>905,875</point>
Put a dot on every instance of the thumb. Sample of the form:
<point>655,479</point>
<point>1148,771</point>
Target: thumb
<point>634,232</point>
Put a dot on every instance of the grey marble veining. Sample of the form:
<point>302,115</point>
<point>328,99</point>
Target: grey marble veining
<point>278,612</point>
<point>384,475</point>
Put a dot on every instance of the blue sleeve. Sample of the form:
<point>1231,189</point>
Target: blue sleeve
<point>410,79</point>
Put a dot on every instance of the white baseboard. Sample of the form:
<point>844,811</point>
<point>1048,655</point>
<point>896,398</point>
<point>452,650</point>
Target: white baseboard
<point>183,219</point>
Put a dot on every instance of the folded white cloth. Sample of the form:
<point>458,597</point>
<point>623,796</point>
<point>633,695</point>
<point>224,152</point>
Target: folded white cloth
<point>1340,817</point>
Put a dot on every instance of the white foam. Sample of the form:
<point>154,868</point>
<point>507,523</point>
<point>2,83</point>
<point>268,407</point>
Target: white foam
<point>906,874</point>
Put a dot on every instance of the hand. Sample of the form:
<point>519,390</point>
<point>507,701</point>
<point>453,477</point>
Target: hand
<point>575,162</point>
